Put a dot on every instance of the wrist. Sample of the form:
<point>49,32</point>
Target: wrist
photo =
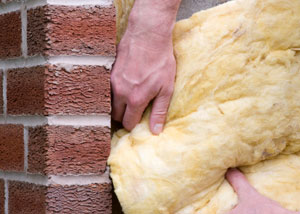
<point>153,43</point>
<point>153,18</point>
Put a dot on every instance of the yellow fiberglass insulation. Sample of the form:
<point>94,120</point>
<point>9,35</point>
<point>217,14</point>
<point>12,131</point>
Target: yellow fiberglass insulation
<point>236,104</point>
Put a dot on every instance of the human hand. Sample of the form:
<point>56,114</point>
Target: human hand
<point>250,201</point>
<point>145,68</point>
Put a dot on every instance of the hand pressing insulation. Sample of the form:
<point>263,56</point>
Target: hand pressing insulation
<point>250,201</point>
<point>145,67</point>
<point>236,103</point>
<point>142,73</point>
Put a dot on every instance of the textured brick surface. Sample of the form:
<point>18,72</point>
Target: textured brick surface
<point>80,90</point>
<point>10,35</point>
<point>11,147</point>
<point>37,150</point>
<point>29,198</point>
<point>2,196</point>
<point>95,198</point>
<point>68,150</point>
<point>25,91</point>
<point>26,198</point>
<point>65,30</point>
<point>54,90</point>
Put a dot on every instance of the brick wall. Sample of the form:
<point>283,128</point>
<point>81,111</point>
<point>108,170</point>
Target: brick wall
<point>55,61</point>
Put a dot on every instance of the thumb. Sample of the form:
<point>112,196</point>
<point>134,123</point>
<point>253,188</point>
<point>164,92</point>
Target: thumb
<point>159,111</point>
<point>239,183</point>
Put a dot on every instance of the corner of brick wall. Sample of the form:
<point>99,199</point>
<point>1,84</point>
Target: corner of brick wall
<point>55,105</point>
<point>63,150</point>
<point>65,30</point>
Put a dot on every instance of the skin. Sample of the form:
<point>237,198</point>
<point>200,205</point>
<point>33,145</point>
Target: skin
<point>250,201</point>
<point>145,67</point>
<point>144,72</point>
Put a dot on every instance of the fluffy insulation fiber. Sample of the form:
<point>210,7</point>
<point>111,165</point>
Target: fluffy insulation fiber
<point>236,104</point>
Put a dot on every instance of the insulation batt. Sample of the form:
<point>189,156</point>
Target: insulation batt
<point>236,104</point>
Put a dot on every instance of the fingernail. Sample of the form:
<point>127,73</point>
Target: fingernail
<point>158,128</point>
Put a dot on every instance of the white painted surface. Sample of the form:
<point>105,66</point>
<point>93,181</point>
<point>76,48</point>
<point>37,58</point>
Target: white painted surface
<point>4,92</point>
<point>23,177</point>
<point>63,61</point>
<point>6,195</point>
<point>22,63</point>
<point>24,29</point>
<point>38,3</point>
<point>93,120</point>
<point>16,5</point>
<point>35,3</point>
<point>67,120</point>
<point>80,180</point>
<point>10,7</point>
<point>25,120</point>
<point>107,62</point>
<point>80,3</point>
<point>26,139</point>
<point>56,179</point>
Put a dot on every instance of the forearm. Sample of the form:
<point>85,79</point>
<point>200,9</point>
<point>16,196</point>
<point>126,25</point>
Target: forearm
<point>154,18</point>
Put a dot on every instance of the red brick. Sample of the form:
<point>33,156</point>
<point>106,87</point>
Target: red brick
<point>94,198</point>
<point>26,198</point>
<point>53,90</point>
<point>29,198</point>
<point>25,91</point>
<point>68,150</point>
<point>69,30</point>
<point>10,35</point>
<point>2,196</point>
<point>37,149</point>
<point>81,90</point>
<point>11,147</point>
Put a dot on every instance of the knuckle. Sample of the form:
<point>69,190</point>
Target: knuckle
<point>117,89</point>
<point>168,91</point>
<point>135,100</point>
<point>127,125</point>
<point>113,79</point>
<point>160,113</point>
